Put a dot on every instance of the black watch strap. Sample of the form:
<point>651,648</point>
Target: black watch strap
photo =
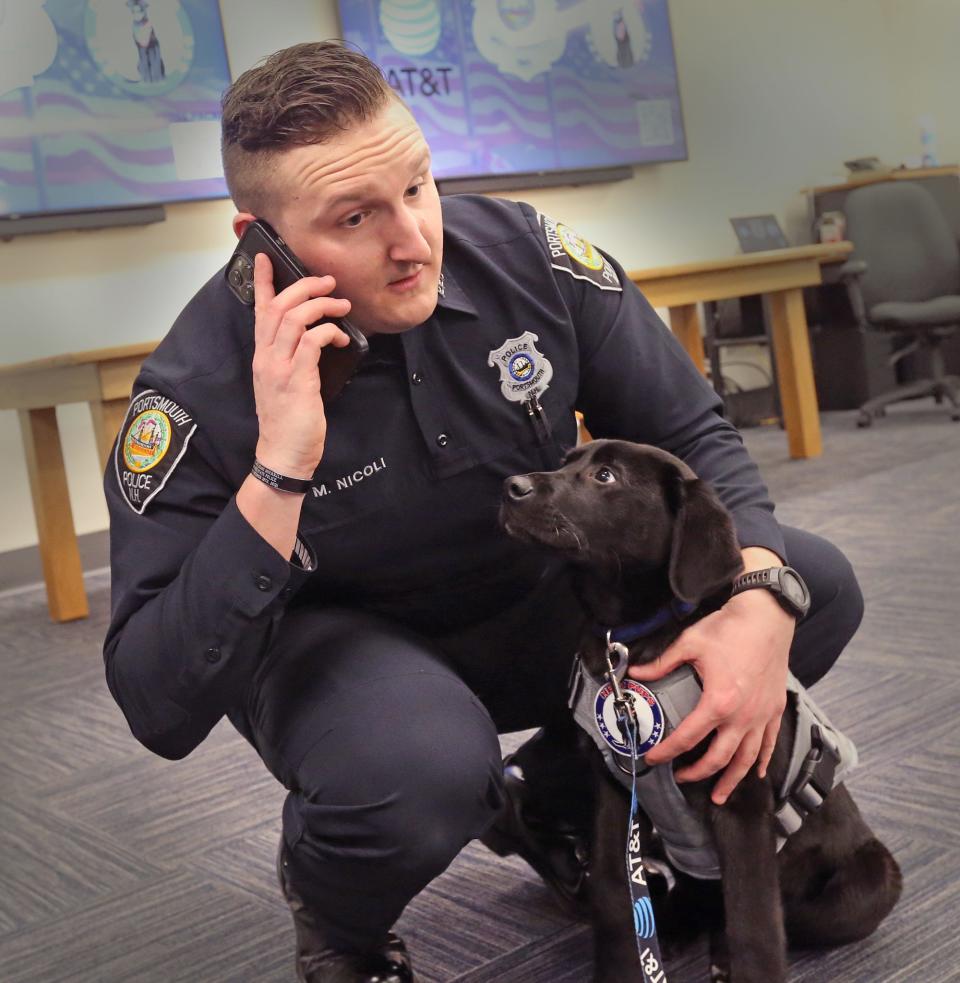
<point>281,482</point>
<point>783,582</point>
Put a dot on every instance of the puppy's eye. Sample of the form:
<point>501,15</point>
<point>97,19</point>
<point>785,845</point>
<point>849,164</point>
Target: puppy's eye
<point>605,475</point>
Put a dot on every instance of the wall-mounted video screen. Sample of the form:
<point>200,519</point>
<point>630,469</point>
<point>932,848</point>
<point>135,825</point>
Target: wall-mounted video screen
<point>109,103</point>
<point>529,86</point>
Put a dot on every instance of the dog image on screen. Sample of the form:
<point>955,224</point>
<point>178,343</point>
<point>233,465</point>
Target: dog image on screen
<point>149,59</point>
<point>642,533</point>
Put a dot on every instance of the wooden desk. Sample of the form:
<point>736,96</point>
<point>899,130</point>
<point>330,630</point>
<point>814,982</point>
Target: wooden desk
<point>875,177</point>
<point>103,378</point>
<point>780,275</point>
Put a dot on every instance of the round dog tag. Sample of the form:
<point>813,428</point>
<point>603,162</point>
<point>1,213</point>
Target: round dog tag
<point>648,711</point>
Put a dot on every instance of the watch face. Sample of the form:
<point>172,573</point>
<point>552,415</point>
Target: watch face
<point>794,589</point>
<point>791,588</point>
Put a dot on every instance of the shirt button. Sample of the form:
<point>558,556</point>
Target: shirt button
<point>212,654</point>
<point>263,582</point>
<point>442,440</point>
<point>416,378</point>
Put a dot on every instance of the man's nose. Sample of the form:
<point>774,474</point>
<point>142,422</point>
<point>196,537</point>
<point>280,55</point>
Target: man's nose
<point>519,486</point>
<point>409,243</point>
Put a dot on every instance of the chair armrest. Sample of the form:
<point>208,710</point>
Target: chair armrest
<point>850,274</point>
<point>852,268</point>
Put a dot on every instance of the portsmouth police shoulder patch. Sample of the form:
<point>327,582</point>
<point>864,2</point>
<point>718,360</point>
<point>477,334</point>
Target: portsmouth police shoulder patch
<point>152,440</point>
<point>576,256</point>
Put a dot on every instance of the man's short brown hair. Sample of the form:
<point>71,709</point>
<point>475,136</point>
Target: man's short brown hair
<point>297,96</point>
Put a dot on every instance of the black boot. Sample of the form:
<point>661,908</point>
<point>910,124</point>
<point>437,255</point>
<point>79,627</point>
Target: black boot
<point>548,818</point>
<point>556,848</point>
<point>318,962</point>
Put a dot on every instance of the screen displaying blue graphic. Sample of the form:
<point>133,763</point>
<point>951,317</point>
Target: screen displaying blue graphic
<point>527,86</point>
<point>109,103</point>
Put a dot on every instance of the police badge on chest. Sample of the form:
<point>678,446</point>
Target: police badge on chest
<point>525,375</point>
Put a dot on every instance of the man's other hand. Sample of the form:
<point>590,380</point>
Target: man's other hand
<point>740,654</point>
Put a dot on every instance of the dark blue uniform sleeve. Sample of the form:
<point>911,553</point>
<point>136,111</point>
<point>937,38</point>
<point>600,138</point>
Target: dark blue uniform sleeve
<point>195,590</point>
<point>637,383</point>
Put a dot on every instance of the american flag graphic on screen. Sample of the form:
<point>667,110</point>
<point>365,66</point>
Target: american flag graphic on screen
<point>102,123</point>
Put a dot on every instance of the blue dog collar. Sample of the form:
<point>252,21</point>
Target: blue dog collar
<point>675,610</point>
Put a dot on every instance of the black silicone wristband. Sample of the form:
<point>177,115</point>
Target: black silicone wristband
<point>756,578</point>
<point>296,486</point>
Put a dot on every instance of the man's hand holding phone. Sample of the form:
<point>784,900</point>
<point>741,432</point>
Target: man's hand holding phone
<point>286,382</point>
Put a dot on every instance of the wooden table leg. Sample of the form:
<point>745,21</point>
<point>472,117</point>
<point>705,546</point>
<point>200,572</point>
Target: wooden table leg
<point>685,324</point>
<point>108,415</point>
<point>798,394</point>
<point>59,553</point>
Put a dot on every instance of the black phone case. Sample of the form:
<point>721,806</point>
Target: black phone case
<point>337,365</point>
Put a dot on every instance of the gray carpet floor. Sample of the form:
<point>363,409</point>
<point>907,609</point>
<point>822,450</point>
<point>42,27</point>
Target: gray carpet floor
<point>119,866</point>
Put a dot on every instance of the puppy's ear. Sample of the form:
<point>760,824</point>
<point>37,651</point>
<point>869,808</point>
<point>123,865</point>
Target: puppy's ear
<point>704,555</point>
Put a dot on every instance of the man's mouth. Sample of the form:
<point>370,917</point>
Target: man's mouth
<point>407,282</point>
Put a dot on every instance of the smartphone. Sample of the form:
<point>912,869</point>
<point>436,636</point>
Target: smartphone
<point>337,365</point>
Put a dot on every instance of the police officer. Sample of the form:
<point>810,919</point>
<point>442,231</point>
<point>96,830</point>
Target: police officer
<point>366,625</point>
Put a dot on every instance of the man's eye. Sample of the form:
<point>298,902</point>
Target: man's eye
<point>352,221</point>
<point>414,190</point>
<point>605,475</point>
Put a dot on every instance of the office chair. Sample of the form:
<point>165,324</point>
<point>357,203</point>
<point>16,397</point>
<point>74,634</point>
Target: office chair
<point>904,278</point>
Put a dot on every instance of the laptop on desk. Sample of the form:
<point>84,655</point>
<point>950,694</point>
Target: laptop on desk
<point>757,233</point>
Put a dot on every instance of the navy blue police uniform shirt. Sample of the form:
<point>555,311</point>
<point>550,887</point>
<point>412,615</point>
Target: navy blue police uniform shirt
<point>401,518</point>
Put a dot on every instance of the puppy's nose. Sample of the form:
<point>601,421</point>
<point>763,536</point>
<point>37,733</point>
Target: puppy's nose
<point>519,486</point>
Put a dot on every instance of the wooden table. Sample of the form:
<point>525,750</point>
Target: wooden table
<point>779,275</point>
<point>103,378</point>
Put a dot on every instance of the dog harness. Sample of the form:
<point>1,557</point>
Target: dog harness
<point>820,758</point>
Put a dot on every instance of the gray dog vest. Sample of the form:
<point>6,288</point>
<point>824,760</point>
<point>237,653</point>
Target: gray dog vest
<point>820,757</point>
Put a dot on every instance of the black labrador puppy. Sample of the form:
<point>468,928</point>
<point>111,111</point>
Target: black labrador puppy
<point>642,533</point>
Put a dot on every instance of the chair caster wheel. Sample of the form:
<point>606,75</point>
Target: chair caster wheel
<point>864,420</point>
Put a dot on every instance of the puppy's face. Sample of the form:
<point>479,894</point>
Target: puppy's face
<point>618,505</point>
<point>607,503</point>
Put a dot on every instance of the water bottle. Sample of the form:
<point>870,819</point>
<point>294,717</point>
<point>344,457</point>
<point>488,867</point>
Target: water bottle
<point>928,142</point>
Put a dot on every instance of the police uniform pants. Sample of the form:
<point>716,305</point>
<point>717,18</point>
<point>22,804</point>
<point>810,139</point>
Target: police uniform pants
<point>387,739</point>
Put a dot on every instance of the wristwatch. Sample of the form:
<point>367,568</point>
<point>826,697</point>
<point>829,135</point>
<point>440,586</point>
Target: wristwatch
<point>783,582</point>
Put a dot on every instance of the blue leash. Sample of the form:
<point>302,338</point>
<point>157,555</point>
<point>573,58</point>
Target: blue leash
<point>644,923</point>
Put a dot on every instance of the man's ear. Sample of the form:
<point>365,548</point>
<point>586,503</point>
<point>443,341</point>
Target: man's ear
<point>704,555</point>
<point>240,222</point>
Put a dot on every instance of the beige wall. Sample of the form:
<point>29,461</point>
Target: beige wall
<point>925,46</point>
<point>776,93</point>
